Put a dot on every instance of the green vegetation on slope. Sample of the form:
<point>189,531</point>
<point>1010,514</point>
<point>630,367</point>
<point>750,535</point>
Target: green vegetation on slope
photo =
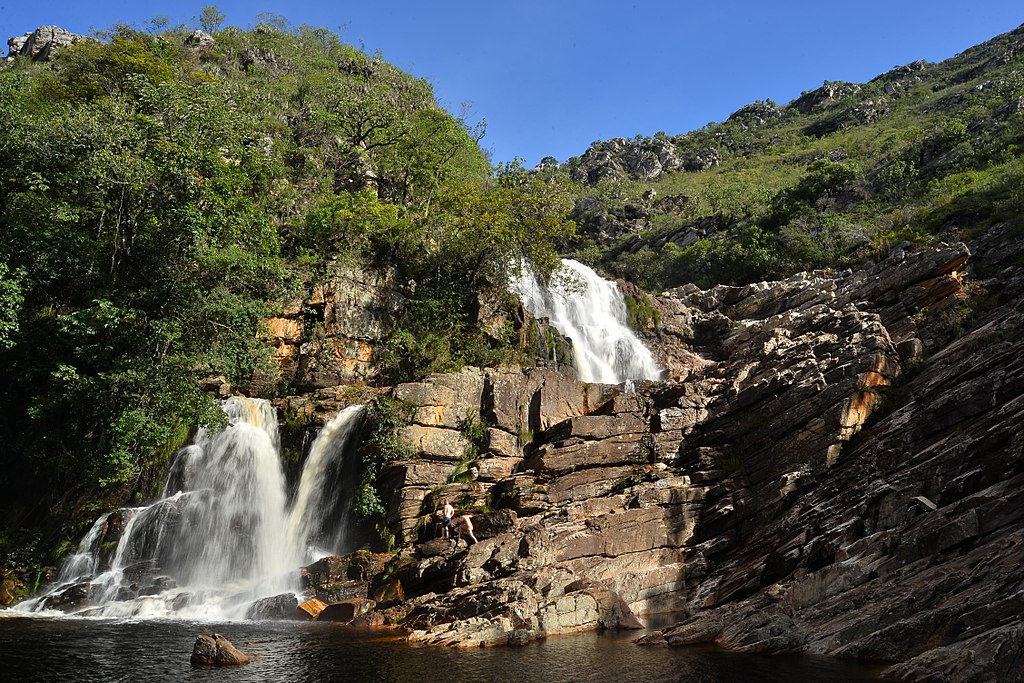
<point>158,199</point>
<point>836,177</point>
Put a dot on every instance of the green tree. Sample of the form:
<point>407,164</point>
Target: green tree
<point>211,18</point>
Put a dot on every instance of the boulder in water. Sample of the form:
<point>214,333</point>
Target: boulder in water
<point>310,609</point>
<point>69,598</point>
<point>216,650</point>
<point>158,585</point>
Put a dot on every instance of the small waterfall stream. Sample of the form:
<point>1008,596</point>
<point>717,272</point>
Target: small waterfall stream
<point>222,535</point>
<point>590,311</point>
<point>316,526</point>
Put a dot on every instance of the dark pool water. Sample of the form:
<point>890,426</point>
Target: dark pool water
<point>37,649</point>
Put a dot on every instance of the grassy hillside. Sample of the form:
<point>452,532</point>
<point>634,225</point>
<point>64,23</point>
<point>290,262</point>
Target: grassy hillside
<point>837,176</point>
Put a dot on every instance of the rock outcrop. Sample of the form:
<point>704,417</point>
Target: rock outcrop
<point>833,466</point>
<point>41,44</point>
<point>330,338</point>
<point>638,159</point>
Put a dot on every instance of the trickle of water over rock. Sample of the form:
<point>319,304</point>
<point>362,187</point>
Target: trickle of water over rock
<point>590,311</point>
<point>222,534</point>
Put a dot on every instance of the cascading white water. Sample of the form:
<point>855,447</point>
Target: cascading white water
<point>309,516</point>
<point>220,537</point>
<point>85,560</point>
<point>590,311</point>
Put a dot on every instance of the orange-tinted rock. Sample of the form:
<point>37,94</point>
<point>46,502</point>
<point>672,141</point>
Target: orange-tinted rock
<point>284,329</point>
<point>311,609</point>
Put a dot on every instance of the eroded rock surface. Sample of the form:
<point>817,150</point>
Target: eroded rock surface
<point>41,44</point>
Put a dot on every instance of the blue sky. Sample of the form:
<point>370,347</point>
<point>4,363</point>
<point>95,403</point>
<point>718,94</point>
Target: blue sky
<point>552,76</point>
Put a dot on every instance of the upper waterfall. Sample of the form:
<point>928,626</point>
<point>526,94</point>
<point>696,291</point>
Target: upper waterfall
<point>590,311</point>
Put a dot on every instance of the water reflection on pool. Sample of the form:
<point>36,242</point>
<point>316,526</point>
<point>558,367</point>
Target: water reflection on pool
<point>39,649</point>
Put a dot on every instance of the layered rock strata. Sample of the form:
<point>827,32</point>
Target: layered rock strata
<point>830,468</point>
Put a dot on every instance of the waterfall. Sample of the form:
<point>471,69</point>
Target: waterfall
<point>311,514</point>
<point>590,311</point>
<point>222,534</point>
<point>84,561</point>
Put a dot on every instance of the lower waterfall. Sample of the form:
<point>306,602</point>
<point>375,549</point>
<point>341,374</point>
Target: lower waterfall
<point>590,311</point>
<point>222,534</point>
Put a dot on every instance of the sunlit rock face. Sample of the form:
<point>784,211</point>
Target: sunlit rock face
<point>41,44</point>
<point>827,467</point>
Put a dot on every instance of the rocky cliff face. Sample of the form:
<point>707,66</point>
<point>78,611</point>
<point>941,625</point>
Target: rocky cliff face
<point>833,466</point>
<point>903,543</point>
<point>330,338</point>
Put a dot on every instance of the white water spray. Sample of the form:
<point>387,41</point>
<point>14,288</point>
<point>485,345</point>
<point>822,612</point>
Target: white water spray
<point>221,536</point>
<point>308,523</point>
<point>590,311</point>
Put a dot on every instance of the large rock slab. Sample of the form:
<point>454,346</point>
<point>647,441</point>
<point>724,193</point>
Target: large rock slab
<point>566,456</point>
<point>448,400</point>
<point>435,443</point>
<point>346,610</point>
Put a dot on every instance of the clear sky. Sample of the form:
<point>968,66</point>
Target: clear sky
<point>552,76</point>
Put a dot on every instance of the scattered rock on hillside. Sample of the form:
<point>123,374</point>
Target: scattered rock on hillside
<point>643,159</point>
<point>757,113</point>
<point>200,40</point>
<point>41,44</point>
<point>825,97</point>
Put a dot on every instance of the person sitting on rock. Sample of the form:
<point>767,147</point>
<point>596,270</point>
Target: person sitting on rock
<point>464,523</point>
<point>446,513</point>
